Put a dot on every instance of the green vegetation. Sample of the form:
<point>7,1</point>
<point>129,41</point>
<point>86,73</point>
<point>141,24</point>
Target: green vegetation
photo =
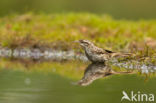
<point>60,30</point>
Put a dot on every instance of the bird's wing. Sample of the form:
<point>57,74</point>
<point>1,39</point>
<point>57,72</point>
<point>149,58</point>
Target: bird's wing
<point>108,51</point>
<point>99,51</point>
<point>102,51</point>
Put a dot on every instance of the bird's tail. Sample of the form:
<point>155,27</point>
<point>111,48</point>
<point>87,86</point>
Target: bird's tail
<point>121,54</point>
<point>114,72</point>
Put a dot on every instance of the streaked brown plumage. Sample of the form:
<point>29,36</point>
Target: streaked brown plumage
<point>96,54</point>
<point>96,71</point>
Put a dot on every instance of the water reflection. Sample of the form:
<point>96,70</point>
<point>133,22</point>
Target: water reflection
<point>29,56</point>
<point>96,71</point>
<point>37,87</point>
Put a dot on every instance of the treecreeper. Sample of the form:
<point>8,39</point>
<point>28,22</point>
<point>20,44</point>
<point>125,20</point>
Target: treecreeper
<point>96,54</point>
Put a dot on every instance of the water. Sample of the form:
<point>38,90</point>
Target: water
<point>34,76</point>
<point>22,87</point>
<point>59,82</point>
<point>55,55</point>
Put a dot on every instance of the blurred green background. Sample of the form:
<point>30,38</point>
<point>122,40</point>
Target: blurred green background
<point>32,81</point>
<point>120,9</point>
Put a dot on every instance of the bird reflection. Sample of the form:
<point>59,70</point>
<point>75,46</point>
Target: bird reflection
<point>96,71</point>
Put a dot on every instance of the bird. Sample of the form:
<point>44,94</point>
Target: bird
<point>96,54</point>
<point>93,72</point>
<point>96,71</point>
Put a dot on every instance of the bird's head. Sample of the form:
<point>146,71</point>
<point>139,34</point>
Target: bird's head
<point>85,43</point>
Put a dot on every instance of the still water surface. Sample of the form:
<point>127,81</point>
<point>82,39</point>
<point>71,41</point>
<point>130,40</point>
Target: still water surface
<point>28,86</point>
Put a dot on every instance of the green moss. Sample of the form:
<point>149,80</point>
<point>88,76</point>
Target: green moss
<point>60,30</point>
<point>104,30</point>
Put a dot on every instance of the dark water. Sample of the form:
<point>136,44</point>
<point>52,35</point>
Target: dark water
<point>128,9</point>
<point>27,86</point>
